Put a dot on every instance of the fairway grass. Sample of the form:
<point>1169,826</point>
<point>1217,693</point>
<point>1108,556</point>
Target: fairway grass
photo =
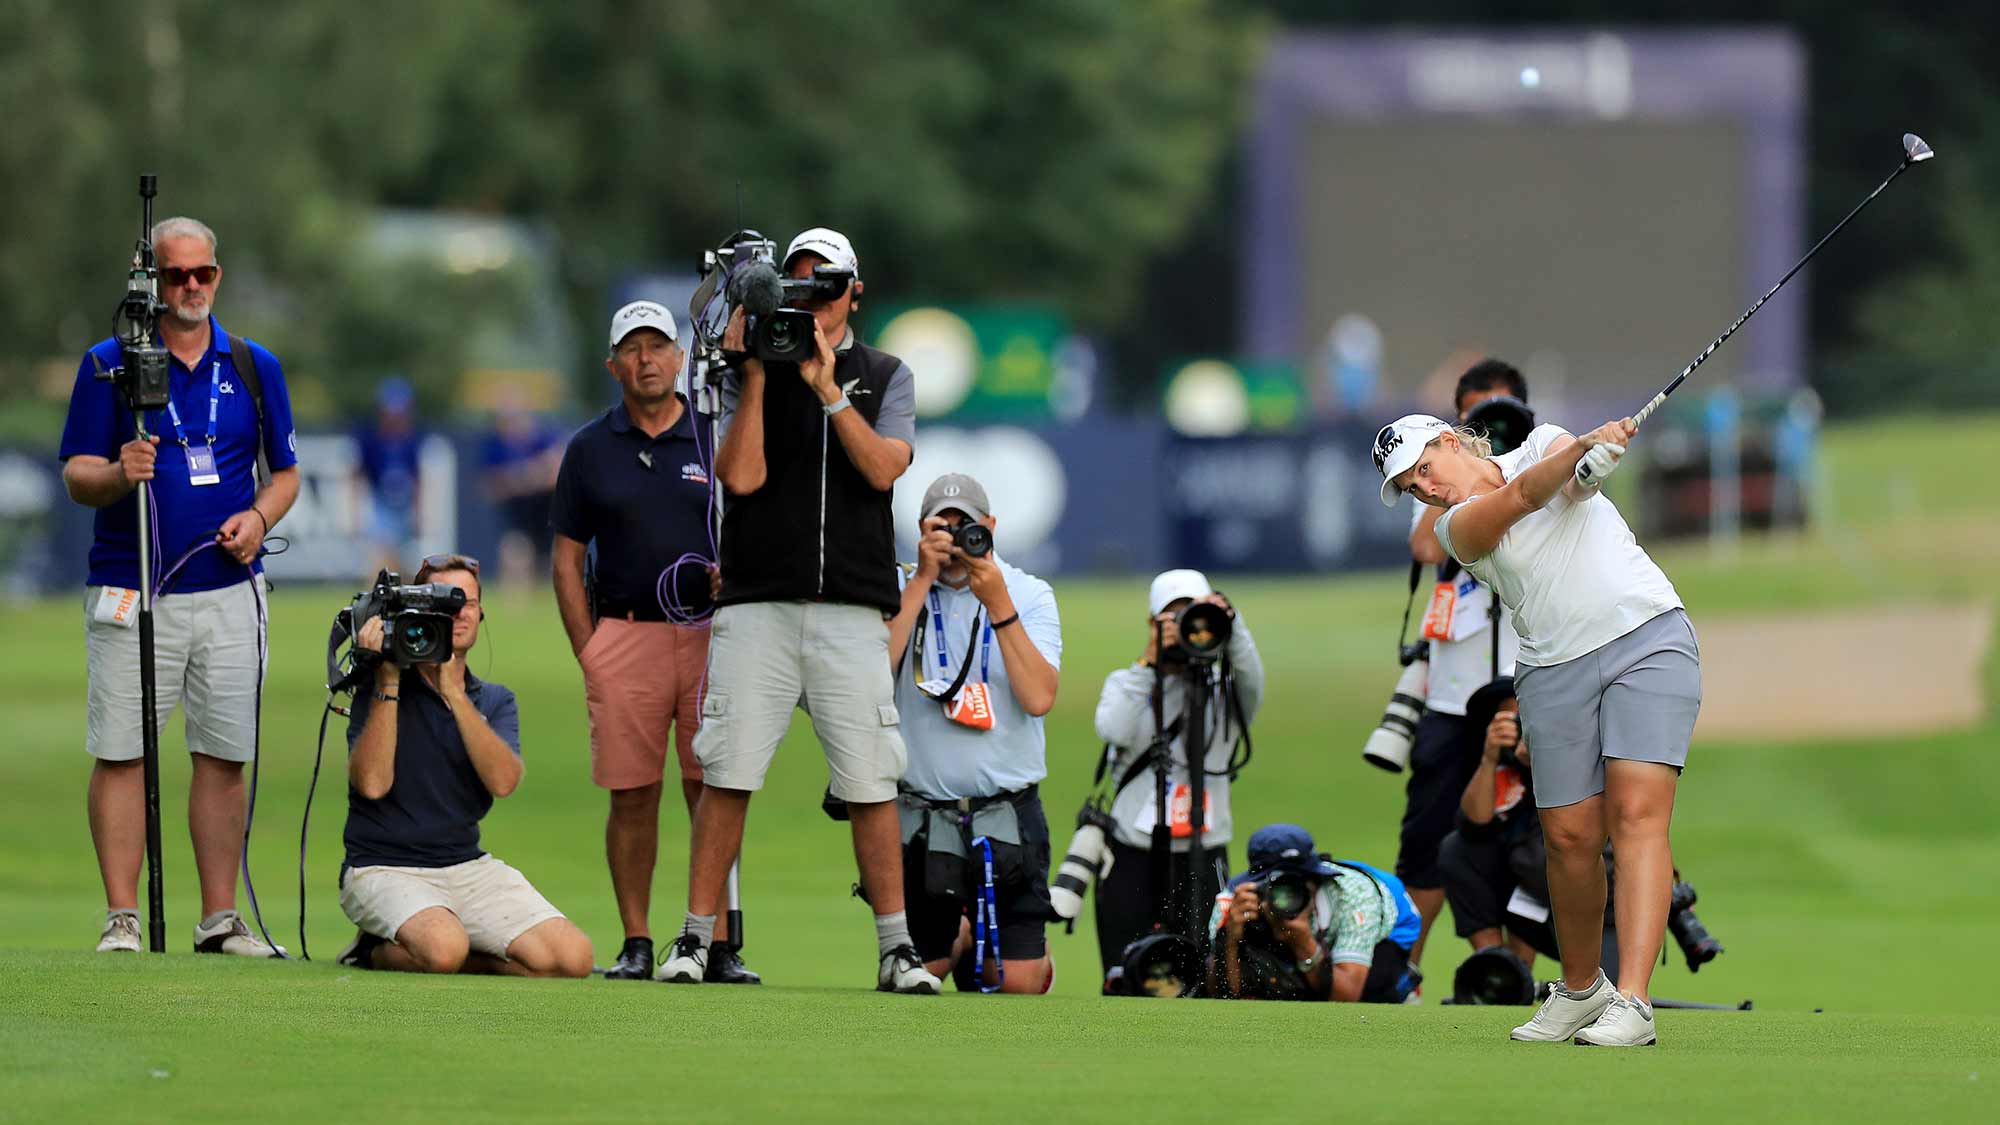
<point>1851,875</point>
<point>181,1038</point>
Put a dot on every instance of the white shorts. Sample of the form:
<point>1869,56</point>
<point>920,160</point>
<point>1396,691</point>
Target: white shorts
<point>208,652</point>
<point>767,658</point>
<point>495,903</point>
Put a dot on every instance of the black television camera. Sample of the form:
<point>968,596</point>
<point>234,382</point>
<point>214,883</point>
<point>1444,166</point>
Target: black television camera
<point>780,324</point>
<point>142,377</point>
<point>416,620</point>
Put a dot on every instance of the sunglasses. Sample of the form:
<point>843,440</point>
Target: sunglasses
<point>176,276</point>
<point>434,563</point>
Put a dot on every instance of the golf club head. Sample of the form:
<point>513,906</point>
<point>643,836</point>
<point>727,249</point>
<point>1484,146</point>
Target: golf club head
<point>1915,150</point>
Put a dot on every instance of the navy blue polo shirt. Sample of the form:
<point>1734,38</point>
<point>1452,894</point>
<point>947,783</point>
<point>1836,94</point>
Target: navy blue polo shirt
<point>430,816</point>
<point>643,500</point>
<point>190,514</point>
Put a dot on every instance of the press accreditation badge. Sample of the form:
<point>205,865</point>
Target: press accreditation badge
<point>973,707</point>
<point>116,606</point>
<point>201,465</point>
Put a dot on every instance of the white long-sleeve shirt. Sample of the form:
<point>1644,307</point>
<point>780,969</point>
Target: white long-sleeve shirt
<point>1125,720</point>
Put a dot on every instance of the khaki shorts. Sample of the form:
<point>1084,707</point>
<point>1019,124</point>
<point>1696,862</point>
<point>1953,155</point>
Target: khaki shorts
<point>639,679</point>
<point>495,903</point>
<point>208,653</point>
<point>767,658</point>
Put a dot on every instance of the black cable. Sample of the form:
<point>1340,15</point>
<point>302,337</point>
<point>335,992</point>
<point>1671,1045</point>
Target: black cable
<point>305,822</point>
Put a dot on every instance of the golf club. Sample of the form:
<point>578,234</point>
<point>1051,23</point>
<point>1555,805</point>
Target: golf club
<point>1915,151</point>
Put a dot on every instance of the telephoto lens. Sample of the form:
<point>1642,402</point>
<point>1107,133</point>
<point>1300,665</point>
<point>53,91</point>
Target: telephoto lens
<point>1697,944</point>
<point>1204,629</point>
<point>1285,895</point>
<point>1088,859</point>
<point>1389,746</point>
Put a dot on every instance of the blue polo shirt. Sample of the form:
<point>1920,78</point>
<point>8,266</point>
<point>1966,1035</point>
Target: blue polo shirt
<point>190,514</point>
<point>430,816</point>
<point>643,500</point>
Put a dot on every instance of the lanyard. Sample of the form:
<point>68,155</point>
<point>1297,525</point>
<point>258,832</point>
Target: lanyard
<point>214,401</point>
<point>943,657</point>
<point>988,930</point>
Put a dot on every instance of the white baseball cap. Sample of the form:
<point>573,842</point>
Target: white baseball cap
<point>1399,444</point>
<point>642,314</point>
<point>829,244</point>
<point>1173,585</point>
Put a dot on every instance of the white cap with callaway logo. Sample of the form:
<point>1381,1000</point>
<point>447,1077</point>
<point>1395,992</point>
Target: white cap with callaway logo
<point>1399,444</point>
<point>642,314</point>
<point>829,244</point>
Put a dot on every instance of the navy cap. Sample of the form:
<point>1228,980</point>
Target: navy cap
<point>1287,847</point>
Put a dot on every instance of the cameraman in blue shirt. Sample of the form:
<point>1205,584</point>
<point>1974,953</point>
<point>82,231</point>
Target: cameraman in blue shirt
<point>209,617</point>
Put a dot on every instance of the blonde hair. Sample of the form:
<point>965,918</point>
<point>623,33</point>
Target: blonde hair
<point>1474,440</point>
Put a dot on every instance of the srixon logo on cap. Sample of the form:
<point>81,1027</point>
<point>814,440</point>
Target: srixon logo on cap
<point>1385,443</point>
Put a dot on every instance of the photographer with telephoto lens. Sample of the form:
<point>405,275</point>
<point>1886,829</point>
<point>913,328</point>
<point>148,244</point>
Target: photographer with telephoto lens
<point>978,645</point>
<point>1299,925</point>
<point>1459,627</point>
<point>810,450</point>
<point>1141,716</point>
<point>429,748</point>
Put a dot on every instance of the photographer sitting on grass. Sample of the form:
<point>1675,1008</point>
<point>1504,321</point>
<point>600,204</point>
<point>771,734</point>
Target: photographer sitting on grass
<point>428,751</point>
<point>1301,926</point>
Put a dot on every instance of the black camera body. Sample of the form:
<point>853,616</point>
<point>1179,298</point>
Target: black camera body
<point>1505,420</point>
<point>776,328</point>
<point>974,538</point>
<point>416,620</point>
<point>1285,894</point>
<point>1697,944</point>
<point>142,377</point>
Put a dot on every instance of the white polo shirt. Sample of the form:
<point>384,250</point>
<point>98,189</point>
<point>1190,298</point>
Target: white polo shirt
<point>1463,662</point>
<point>1572,573</point>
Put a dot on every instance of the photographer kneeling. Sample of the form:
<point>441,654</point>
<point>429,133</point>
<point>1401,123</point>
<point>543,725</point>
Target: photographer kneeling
<point>978,646</point>
<point>1493,862</point>
<point>1299,925</point>
<point>428,751</point>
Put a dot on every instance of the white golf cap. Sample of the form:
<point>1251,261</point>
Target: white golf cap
<point>1399,444</point>
<point>1173,585</point>
<point>829,244</point>
<point>642,314</point>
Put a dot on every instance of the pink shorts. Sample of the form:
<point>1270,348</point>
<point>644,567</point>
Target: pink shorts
<point>639,679</point>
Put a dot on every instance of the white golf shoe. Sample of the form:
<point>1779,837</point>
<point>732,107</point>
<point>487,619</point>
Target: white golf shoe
<point>686,961</point>
<point>1565,1013</point>
<point>121,932</point>
<point>902,970</point>
<point>1627,1022</point>
<point>229,934</point>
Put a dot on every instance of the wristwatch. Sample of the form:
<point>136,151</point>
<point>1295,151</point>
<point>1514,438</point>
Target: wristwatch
<point>836,406</point>
<point>1310,963</point>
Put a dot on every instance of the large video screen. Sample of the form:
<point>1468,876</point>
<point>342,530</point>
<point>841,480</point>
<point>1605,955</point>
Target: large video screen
<point>1601,256</point>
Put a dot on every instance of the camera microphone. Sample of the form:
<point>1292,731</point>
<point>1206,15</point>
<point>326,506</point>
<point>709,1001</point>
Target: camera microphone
<point>756,286</point>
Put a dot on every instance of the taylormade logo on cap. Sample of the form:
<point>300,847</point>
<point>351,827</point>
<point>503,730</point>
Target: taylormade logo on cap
<point>827,243</point>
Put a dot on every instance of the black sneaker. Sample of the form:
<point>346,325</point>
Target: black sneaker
<point>360,953</point>
<point>635,961</point>
<point>725,966</point>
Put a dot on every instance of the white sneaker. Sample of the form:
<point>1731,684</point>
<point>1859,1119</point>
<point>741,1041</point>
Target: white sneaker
<point>902,970</point>
<point>231,935</point>
<point>121,932</point>
<point>1627,1022</point>
<point>1565,1013</point>
<point>686,961</point>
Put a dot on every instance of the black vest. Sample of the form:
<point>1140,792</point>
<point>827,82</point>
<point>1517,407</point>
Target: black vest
<point>817,530</point>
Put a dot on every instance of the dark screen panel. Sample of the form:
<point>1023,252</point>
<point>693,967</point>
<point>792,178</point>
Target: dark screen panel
<point>1610,250</point>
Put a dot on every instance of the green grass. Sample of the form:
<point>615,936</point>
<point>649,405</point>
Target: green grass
<point>1854,876</point>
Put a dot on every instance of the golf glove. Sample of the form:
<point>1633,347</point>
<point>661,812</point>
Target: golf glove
<point>1597,464</point>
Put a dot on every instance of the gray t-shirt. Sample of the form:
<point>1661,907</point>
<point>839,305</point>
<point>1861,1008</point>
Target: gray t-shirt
<point>897,418</point>
<point>947,759</point>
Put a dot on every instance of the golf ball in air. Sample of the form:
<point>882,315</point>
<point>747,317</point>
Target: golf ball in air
<point>1531,77</point>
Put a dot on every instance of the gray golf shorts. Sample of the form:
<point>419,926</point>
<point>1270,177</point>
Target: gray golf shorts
<point>1635,698</point>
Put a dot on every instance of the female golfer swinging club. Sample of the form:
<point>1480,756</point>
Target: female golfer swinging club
<point>1609,682</point>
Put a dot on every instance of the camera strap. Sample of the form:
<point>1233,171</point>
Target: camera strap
<point>987,932</point>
